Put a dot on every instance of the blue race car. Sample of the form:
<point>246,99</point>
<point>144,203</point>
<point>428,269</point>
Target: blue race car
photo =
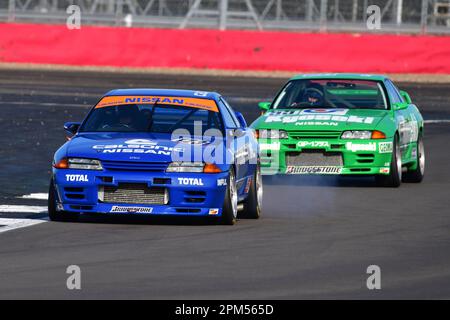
<point>158,152</point>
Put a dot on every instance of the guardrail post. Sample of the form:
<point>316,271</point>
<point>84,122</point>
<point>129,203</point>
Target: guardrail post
<point>223,9</point>
<point>12,10</point>
<point>323,14</point>
<point>424,17</point>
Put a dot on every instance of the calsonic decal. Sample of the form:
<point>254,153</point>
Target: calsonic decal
<point>198,103</point>
<point>313,170</point>
<point>313,144</point>
<point>190,181</point>
<point>355,147</point>
<point>385,147</point>
<point>297,116</point>
<point>137,146</point>
<point>384,170</point>
<point>77,178</point>
<point>120,209</point>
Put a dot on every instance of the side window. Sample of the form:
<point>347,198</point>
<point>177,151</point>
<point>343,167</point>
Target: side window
<point>394,95</point>
<point>228,115</point>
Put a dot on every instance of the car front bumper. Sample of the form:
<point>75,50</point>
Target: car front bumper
<point>334,156</point>
<point>120,192</point>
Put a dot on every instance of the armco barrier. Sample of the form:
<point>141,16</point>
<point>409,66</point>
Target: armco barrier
<point>230,50</point>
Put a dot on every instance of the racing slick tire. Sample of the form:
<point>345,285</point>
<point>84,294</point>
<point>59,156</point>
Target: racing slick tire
<point>394,178</point>
<point>230,205</point>
<point>417,174</point>
<point>253,203</point>
<point>55,215</point>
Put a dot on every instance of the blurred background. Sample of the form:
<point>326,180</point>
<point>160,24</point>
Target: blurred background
<point>402,16</point>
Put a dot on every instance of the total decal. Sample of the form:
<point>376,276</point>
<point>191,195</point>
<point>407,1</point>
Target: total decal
<point>190,181</point>
<point>123,209</point>
<point>309,116</point>
<point>356,147</point>
<point>313,170</point>
<point>144,146</point>
<point>77,178</point>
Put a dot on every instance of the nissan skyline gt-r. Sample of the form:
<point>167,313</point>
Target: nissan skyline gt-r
<point>342,124</point>
<point>158,152</point>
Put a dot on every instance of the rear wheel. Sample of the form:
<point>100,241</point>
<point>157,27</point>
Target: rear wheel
<point>53,213</point>
<point>417,174</point>
<point>229,210</point>
<point>394,178</point>
<point>253,203</point>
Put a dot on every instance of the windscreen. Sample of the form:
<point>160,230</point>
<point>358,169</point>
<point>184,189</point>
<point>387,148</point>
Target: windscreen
<point>151,116</point>
<point>328,93</point>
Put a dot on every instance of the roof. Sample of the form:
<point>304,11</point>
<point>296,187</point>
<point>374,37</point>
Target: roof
<point>164,92</point>
<point>343,76</point>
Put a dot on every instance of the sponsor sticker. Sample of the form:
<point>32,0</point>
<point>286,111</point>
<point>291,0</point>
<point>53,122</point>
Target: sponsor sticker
<point>356,147</point>
<point>198,103</point>
<point>77,178</point>
<point>247,186</point>
<point>190,181</point>
<point>141,146</point>
<point>385,147</point>
<point>339,112</point>
<point>313,144</point>
<point>122,209</point>
<point>270,146</point>
<point>384,170</point>
<point>221,182</point>
<point>313,170</point>
<point>213,211</point>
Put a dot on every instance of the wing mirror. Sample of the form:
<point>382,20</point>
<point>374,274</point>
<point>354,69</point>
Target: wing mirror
<point>241,119</point>
<point>72,127</point>
<point>264,106</point>
<point>406,97</point>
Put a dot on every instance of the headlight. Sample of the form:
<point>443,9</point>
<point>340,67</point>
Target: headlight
<point>193,167</point>
<point>363,134</point>
<point>185,167</point>
<point>272,134</point>
<point>79,163</point>
<point>356,135</point>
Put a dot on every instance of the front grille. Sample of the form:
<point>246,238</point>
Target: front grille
<point>135,166</point>
<point>133,193</point>
<point>315,134</point>
<point>314,158</point>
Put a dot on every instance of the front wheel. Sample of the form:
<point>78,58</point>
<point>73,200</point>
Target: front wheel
<point>229,211</point>
<point>417,174</point>
<point>394,178</point>
<point>53,213</point>
<point>253,203</point>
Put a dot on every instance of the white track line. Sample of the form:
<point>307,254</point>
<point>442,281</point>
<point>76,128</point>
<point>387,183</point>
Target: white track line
<point>7,224</point>
<point>437,121</point>
<point>36,196</point>
<point>24,209</point>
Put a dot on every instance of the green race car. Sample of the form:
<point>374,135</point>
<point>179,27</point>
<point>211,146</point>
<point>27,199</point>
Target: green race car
<point>342,124</point>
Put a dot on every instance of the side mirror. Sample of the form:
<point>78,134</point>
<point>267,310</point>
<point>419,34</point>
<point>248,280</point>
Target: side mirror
<point>406,97</point>
<point>72,127</point>
<point>264,106</point>
<point>241,119</point>
<point>400,106</point>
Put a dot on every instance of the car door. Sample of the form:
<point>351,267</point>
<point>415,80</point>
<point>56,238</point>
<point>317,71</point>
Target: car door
<point>240,144</point>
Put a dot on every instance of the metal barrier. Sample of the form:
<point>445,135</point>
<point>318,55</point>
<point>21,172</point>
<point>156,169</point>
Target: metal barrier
<point>412,16</point>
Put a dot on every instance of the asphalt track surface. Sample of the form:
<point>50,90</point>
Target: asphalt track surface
<point>315,240</point>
